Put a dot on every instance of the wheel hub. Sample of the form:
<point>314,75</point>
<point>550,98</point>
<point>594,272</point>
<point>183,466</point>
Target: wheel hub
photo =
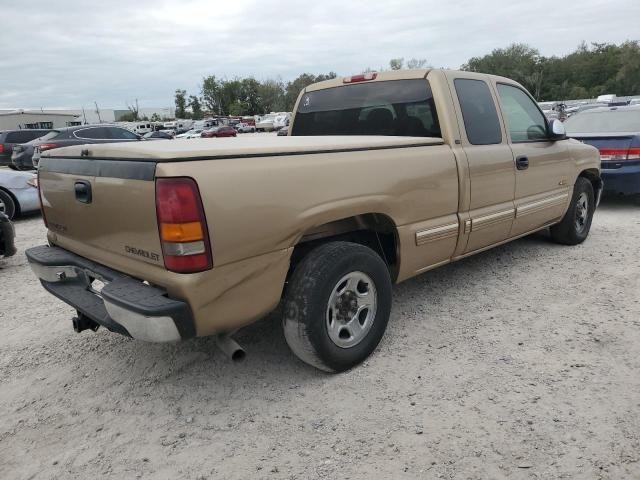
<point>582,212</point>
<point>351,309</point>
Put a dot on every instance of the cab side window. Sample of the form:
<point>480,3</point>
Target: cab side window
<point>478,112</point>
<point>525,121</point>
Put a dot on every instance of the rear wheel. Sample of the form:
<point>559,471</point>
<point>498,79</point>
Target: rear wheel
<point>576,223</point>
<point>7,205</point>
<point>337,306</point>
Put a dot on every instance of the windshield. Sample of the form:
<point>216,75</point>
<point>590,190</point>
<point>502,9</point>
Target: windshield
<point>398,107</point>
<point>610,121</point>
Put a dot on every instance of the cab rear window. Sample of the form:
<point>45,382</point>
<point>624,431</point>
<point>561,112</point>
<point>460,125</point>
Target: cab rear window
<point>399,107</point>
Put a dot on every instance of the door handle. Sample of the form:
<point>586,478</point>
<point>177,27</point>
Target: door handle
<point>83,191</point>
<point>522,163</point>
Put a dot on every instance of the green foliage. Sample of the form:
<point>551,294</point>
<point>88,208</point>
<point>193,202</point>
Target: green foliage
<point>294,87</point>
<point>181,103</point>
<point>396,63</point>
<point>586,72</point>
<point>196,108</point>
<point>127,117</point>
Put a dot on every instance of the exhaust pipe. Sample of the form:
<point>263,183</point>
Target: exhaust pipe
<point>82,322</point>
<point>229,347</point>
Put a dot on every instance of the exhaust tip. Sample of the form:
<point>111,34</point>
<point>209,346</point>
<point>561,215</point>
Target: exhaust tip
<point>238,355</point>
<point>230,348</point>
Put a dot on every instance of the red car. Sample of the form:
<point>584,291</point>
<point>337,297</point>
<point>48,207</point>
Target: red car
<point>223,131</point>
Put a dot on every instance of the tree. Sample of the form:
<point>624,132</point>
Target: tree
<point>181,103</point>
<point>134,111</point>
<point>196,107</point>
<point>271,96</point>
<point>210,91</point>
<point>127,117</point>
<point>415,63</point>
<point>294,87</point>
<point>396,63</point>
<point>588,71</point>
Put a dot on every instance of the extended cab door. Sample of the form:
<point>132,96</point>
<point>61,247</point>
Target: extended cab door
<point>491,169</point>
<point>543,167</point>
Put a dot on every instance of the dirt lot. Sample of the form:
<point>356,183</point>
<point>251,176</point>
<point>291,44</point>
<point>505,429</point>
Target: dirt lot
<point>522,362</point>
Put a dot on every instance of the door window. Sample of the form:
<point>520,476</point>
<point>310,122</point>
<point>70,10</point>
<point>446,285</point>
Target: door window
<point>524,119</point>
<point>478,112</point>
<point>96,133</point>
<point>121,134</point>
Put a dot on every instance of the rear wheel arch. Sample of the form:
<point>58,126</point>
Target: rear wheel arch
<point>376,231</point>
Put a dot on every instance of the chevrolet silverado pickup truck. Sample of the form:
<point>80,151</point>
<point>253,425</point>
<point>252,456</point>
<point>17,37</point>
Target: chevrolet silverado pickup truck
<point>383,176</point>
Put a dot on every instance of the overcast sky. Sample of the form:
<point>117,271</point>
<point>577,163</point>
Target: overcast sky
<point>68,54</point>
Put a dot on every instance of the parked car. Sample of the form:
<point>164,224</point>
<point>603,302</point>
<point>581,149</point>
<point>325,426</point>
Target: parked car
<point>245,128</point>
<point>81,135</point>
<point>281,121</point>
<point>10,138</point>
<point>265,124</point>
<point>7,237</point>
<point>615,132</point>
<point>193,133</point>
<point>361,195</point>
<point>22,155</point>
<point>223,131</point>
<point>158,135</point>
<point>18,192</point>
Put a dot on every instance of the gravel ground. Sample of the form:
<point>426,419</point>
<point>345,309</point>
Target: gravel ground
<point>521,362</point>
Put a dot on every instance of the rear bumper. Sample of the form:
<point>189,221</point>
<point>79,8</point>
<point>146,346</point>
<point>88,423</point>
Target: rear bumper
<point>625,179</point>
<point>124,305</point>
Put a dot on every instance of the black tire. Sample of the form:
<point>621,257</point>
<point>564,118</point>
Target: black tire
<point>575,225</point>
<point>12,167</point>
<point>7,205</point>
<point>306,305</point>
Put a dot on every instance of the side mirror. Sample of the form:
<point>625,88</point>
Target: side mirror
<point>556,130</point>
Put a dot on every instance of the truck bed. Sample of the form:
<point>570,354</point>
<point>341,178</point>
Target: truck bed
<point>241,147</point>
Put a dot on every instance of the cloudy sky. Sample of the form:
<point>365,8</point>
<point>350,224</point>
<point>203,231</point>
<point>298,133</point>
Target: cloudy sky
<point>68,54</point>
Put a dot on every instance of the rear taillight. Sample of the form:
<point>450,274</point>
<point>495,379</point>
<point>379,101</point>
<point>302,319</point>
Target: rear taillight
<point>363,77</point>
<point>1,147</point>
<point>182,225</point>
<point>619,154</point>
<point>39,185</point>
<point>47,146</point>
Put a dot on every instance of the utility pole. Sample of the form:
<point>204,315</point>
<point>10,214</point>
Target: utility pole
<point>98,112</point>
<point>84,115</point>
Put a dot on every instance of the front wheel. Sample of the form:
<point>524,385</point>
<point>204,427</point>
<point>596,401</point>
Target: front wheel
<point>337,306</point>
<point>576,223</point>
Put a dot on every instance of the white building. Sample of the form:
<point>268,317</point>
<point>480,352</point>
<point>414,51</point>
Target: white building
<point>16,119</point>
<point>58,118</point>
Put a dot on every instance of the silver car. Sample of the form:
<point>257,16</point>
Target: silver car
<point>18,192</point>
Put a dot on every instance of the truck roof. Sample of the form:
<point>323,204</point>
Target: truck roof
<point>402,75</point>
<point>255,146</point>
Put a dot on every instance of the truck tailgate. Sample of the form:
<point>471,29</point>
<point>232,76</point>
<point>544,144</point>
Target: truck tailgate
<point>105,206</point>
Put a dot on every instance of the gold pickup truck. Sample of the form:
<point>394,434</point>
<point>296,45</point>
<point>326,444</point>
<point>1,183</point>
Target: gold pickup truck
<point>383,176</point>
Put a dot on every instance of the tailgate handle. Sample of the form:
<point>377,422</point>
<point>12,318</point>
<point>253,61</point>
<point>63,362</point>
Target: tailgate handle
<point>83,191</point>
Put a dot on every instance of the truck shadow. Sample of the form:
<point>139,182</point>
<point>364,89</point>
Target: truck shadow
<point>269,360</point>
